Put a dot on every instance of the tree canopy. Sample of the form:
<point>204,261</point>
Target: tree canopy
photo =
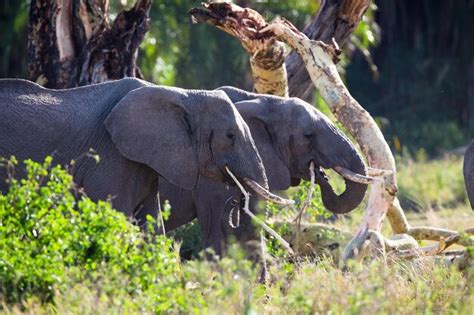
<point>422,94</point>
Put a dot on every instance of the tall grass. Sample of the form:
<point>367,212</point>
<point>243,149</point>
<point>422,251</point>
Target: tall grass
<point>432,184</point>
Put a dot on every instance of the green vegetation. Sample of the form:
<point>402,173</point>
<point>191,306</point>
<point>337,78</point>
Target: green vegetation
<point>426,184</point>
<point>49,242</point>
<point>59,255</point>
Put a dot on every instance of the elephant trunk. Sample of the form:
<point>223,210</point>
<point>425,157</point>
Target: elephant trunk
<point>352,195</point>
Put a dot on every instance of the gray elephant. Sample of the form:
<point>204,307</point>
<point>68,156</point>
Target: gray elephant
<point>469,173</point>
<point>140,131</point>
<point>289,134</point>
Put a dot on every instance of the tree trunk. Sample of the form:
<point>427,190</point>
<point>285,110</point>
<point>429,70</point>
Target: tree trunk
<point>272,72</point>
<point>72,43</point>
<point>336,19</point>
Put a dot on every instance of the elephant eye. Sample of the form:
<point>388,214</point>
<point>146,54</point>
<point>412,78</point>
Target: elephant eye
<point>308,135</point>
<point>231,135</point>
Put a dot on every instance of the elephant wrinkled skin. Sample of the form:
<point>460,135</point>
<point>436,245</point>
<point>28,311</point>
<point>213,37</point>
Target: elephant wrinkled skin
<point>289,134</point>
<point>140,131</point>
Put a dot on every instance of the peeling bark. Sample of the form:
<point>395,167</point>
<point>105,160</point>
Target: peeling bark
<point>319,60</point>
<point>64,30</point>
<point>267,55</point>
<point>72,43</point>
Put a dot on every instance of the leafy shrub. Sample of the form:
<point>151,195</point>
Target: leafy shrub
<point>49,240</point>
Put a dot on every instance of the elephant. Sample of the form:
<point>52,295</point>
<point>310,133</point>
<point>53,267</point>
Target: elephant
<point>289,134</point>
<point>140,131</point>
<point>468,170</point>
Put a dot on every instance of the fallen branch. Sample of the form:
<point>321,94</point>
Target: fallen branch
<point>439,247</point>
<point>254,217</point>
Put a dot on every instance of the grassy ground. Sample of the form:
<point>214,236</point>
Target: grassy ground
<point>229,286</point>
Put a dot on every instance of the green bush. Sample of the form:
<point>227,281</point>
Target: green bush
<point>50,241</point>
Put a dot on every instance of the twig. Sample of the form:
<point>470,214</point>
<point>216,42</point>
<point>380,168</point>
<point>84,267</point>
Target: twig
<point>231,214</point>
<point>307,201</point>
<point>162,221</point>
<point>254,217</point>
<point>264,279</point>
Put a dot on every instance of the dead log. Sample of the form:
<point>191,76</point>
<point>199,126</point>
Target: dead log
<point>73,43</point>
<point>314,240</point>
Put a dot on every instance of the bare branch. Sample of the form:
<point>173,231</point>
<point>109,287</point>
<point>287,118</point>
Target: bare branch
<point>254,217</point>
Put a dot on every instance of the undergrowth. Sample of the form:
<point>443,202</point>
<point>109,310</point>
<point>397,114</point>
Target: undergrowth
<point>60,252</point>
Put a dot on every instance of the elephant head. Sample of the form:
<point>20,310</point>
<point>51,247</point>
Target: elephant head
<point>290,134</point>
<point>468,170</point>
<point>182,134</point>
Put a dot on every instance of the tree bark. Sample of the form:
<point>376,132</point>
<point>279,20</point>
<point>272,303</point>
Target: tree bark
<point>272,72</point>
<point>267,55</point>
<point>72,43</point>
<point>336,19</point>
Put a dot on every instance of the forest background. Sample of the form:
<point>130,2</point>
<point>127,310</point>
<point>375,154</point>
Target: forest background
<point>410,63</point>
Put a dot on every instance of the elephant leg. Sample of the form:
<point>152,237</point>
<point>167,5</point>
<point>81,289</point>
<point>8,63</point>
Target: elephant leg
<point>209,219</point>
<point>244,233</point>
<point>223,222</point>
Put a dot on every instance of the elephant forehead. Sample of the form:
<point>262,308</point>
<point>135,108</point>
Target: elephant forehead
<point>226,114</point>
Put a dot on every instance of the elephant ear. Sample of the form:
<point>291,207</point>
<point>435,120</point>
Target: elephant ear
<point>151,125</point>
<point>257,114</point>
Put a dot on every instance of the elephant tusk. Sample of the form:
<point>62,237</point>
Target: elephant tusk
<point>354,177</point>
<point>253,216</point>
<point>265,194</point>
